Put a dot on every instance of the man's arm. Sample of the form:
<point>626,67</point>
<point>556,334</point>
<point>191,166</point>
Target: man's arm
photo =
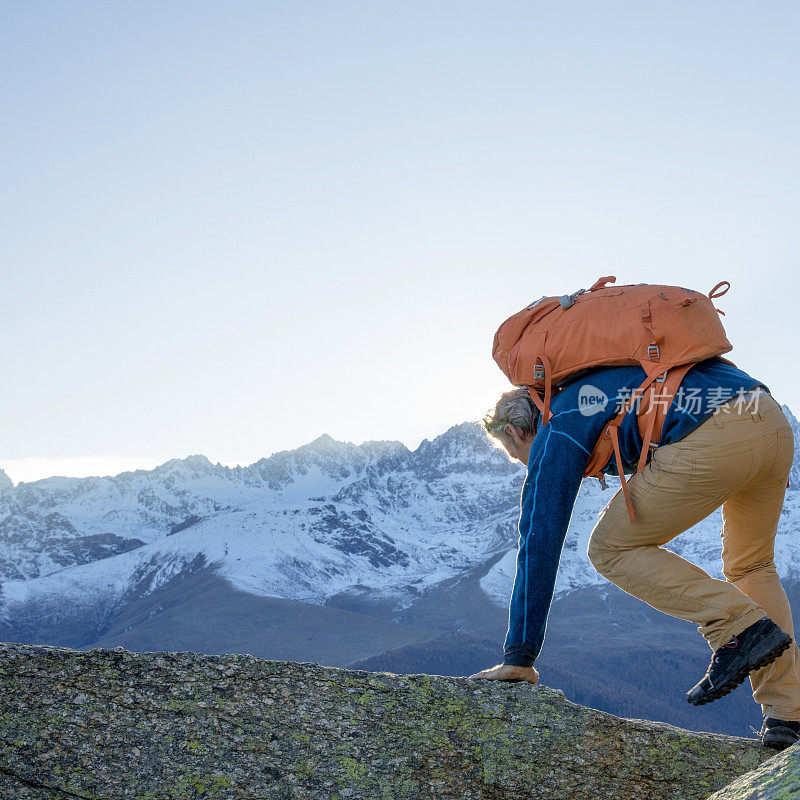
<point>556,464</point>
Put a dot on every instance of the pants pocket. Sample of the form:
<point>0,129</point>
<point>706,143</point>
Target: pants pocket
<point>672,465</point>
<point>718,467</point>
<point>784,453</point>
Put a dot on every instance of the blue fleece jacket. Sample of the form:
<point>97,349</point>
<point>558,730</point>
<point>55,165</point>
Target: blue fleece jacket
<point>558,457</point>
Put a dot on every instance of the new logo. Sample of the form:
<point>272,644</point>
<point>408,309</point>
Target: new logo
<point>591,400</point>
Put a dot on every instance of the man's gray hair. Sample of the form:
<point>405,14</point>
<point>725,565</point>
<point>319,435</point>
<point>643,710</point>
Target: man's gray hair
<point>513,408</point>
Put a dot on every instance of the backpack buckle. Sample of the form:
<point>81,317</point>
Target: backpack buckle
<point>661,378</point>
<point>568,300</point>
<point>538,372</point>
<point>653,353</point>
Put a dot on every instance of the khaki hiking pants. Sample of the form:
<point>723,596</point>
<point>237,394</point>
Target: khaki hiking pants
<point>739,458</point>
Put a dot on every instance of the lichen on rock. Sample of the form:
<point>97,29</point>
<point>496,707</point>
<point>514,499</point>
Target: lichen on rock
<point>776,779</point>
<point>156,726</point>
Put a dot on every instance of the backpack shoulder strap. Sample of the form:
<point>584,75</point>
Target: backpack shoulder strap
<point>651,416</point>
<point>651,423</point>
<point>543,404</point>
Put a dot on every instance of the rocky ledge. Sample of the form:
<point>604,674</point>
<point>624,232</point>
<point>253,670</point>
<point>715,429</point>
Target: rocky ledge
<point>150,726</point>
<point>776,779</point>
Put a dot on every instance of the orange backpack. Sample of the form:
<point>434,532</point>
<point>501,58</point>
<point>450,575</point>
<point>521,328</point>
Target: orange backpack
<point>663,329</point>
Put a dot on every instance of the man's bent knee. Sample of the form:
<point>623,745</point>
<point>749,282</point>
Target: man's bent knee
<point>734,574</point>
<point>600,553</point>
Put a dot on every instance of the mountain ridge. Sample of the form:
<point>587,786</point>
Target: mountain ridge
<point>345,514</point>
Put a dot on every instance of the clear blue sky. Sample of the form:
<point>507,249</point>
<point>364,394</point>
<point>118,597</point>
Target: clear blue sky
<point>230,227</point>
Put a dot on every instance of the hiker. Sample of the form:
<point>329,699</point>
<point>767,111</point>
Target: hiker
<point>724,441</point>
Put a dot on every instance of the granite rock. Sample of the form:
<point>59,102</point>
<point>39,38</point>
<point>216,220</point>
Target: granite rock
<point>114,724</point>
<point>776,779</point>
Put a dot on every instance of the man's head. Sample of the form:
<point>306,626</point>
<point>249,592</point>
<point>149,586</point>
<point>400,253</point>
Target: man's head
<point>513,422</point>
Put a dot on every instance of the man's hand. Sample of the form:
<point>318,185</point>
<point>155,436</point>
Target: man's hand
<point>507,672</point>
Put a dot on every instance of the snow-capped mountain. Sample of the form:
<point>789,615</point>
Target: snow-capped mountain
<point>306,525</point>
<point>302,525</point>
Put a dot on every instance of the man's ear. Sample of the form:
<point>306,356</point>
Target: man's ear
<point>514,432</point>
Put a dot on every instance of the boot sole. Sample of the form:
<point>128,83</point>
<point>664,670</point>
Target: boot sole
<point>778,649</point>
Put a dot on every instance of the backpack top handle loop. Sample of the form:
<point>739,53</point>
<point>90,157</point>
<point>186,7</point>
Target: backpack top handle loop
<point>601,282</point>
<point>713,294</point>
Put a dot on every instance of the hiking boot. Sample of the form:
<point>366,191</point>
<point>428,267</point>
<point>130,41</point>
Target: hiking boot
<point>753,648</point>
<point>779,733</point>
